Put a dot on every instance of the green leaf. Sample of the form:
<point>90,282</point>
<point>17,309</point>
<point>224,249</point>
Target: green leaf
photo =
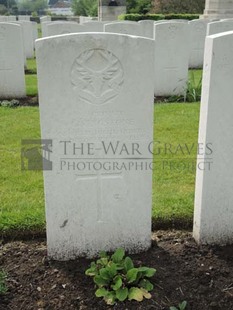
<point>103,261</point>
<point>104,274</point>
<point>146,294</point>
<point>128,264</point>
<point>101,292</point>
<point>119,267</point>
<point>183,305</point>
<point>122,293</point>
<point>118,283</point>
<point>173,308</point>
<point>135,293</point>
<point>132,275</point>
<point>100,281</point>
<point>146,284</point>
<point>110,298</point>
<point>111,269</point>
<point>118,255</point>
<point>147,272</point>
<point>91,272</point>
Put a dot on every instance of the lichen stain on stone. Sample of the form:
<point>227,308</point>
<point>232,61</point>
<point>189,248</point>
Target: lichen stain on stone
<point>64,224</point>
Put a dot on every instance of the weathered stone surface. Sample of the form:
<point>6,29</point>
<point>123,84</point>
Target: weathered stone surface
<point>94,89</point>
<point>147,28</point>
<point>27,28</point>
<point>12,84</point>
<point>218,9</point>
<point>53,29</point>
<point>124,28</point>
<point>219,26</point>
<point>24,18</point>
<point>213,216</point>
<point>94,26</point>
<point>171,58</point>
<point>45,19</point>
<point>198,30</point>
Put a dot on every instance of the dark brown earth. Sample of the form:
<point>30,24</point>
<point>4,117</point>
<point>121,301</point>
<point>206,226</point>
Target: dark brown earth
<point>203,276</point>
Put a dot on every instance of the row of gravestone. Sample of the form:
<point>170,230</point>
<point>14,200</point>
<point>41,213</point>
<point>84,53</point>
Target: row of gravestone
<point>197,32</point>
<point>96,105</point>
<point>177,44</point>
<point>12,18</point>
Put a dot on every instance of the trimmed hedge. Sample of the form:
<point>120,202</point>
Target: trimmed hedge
<point>137,17</point>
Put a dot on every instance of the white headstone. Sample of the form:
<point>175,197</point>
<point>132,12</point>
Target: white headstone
<point>124,28</point>
<point>45,19</point>
<point>94,26</point>
<point>198,30</point>
<point>11,18</point>
<point>213,215</point>
<point>171,58</point>
<point>24,18</point>
<point>27,37</point>
<point>35,33</point>
<point>3,18</point>
<point>218,27</point>
<point>44,28</point>
<point>147,28</point>
<point>83,19</point>
<point>12,83</point>
<point>93,89</point>
<point>63,28</point>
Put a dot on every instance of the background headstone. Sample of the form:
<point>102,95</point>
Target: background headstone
<point>198,30</point>
<point>94,26</point>
<point>213,214</point>
<point>124,28</point>
<point>171,58</point>
<point>83,19</point>
<point>220,26</point>
<point>27,37</point>
<point>11,18</point>
<point>63,28</point>
<point>92,88</point>
<point>3,18</point>
<point>45,19</point>
<point>12,83</point>
<point>35,33</point>
<point>147,28</point>
<point>24,18</point>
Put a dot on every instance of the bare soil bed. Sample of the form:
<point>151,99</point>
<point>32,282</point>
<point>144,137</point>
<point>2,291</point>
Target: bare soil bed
<point>203,276</point>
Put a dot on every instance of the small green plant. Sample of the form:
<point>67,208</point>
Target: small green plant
<point>181,306</point>
<point>116,278</point>
<point>193,93</point>
<point>10,103</point>
<point>3,286</point>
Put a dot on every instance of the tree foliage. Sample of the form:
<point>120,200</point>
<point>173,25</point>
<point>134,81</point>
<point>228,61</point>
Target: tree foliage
<point>178,6</point>
<point>138,6</point>
<point>85,7</point>
<point>8,7</point>
<point>32,5</point>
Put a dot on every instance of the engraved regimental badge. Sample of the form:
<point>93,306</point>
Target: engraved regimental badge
<point>97,76</point>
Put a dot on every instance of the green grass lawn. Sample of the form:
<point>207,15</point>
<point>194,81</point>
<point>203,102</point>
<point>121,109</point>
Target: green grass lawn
<point>31,84</point>
<point>21,192</point>
<point>31,64</point>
